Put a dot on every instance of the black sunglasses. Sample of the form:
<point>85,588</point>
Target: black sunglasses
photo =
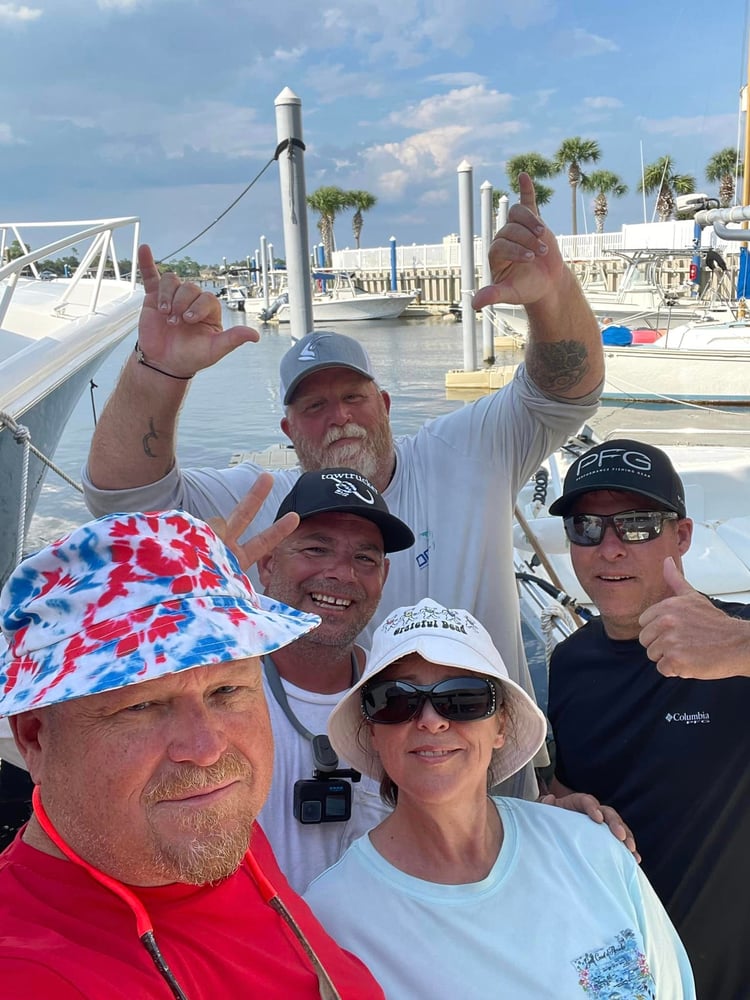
<point>631,526</point>
<point>459,699</point>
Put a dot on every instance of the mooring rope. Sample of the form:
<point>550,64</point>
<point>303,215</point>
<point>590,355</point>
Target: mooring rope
<point>22,436</point>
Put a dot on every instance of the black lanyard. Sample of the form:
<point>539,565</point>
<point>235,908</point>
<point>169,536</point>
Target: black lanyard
<point>277,690</point>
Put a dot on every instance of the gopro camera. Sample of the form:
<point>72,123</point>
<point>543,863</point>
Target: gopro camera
<point>327,796</point>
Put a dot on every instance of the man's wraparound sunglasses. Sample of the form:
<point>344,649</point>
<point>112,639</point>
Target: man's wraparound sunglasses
<point>631,526</point>
<point>459,699</point>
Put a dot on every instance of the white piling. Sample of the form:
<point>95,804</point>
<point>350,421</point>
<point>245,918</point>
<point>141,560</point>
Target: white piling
<point>466,235</point>
<point>294,211</point>
<point>488,332</point>
<point>264,271</point>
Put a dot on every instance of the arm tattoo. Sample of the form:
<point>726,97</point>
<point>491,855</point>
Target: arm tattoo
<point>558,366</point>
<point>146,440</point>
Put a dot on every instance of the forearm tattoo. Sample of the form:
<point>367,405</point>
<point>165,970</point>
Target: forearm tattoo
<point>147,440</point>
<point>559,366</point>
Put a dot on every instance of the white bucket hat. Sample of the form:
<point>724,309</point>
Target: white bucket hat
<point>453,638</point>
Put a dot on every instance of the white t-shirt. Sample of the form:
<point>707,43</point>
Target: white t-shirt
<point>304,850</point>
<point>455,485</point>
<point>564,914</point>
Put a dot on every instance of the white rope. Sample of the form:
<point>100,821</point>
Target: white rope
<point>549,619</point>
<point>22,436</point>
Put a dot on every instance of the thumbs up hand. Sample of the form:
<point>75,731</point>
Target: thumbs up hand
<point>687,636</point>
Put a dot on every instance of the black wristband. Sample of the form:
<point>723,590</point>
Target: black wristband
<point>140,357</point>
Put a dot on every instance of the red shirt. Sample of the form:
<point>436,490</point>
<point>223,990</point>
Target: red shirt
<point>65,936</point>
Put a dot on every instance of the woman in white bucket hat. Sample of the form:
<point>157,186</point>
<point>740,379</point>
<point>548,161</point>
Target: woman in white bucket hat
<point>457,893</point>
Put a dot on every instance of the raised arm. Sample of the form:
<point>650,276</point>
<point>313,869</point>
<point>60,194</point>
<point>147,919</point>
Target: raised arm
<point>564,353</point>
<point>179,333</point>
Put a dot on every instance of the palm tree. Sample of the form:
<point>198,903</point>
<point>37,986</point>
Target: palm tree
<point>328,202</point>
<point>363,201</point>
<point>571,154</point>
<point>724,167</point>
<point>535,165</point>
<point>660,176</point>
<point>604,183</point>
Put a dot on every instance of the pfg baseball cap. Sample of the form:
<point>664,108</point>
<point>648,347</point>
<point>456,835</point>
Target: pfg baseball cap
<point>626,466</point>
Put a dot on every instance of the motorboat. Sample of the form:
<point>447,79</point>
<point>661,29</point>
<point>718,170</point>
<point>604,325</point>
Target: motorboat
<point>654,374</point>
<point>337,298</point>
<point>235,296</point>
<point>54,334</point>
<point>715,469</point>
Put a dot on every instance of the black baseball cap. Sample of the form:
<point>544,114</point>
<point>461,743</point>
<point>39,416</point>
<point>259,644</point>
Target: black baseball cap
<point>626,466</point>
<point>345,491</point>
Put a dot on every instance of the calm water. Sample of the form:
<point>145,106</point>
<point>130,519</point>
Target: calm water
<point>235,405</point>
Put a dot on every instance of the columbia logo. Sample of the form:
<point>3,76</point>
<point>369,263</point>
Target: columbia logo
<point>690,718</point>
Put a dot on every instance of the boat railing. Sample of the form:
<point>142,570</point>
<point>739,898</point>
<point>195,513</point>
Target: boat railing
<point>97,252</point>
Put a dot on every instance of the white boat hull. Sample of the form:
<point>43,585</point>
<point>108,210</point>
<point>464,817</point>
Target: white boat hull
<point>53,337</point>
<point>358,307</point>
<point>654,374</point>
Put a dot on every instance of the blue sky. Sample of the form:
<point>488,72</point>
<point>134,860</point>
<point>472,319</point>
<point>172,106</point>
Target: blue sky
<point>165,108</point>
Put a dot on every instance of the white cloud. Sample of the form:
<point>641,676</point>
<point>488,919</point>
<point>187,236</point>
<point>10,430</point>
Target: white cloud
<point>393,183</point>
<point>705,127</point>
<point>457,79</point>
<point>543,97</point>
<point>11,13</point>
<point>289,55</point>
<point>468,105</point>
<point>6,136</point>
<point>602,103</point>
<point>579,42</point>
<point>438,196</point>
<point>331,82</point>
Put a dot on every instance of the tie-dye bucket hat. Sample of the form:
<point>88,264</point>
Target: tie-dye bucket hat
<point>125,599</point>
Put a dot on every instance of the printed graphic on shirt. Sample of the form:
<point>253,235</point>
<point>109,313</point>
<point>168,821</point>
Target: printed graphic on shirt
<point>618,969</point>
<point>690,718</point>
<point>425,544</point>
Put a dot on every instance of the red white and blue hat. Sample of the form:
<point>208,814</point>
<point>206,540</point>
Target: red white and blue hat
<point>125,599</point>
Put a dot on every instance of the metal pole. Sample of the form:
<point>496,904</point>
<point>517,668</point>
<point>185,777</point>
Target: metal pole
<point>294,211</point>
<point>394,275</point>
<point>264,270</point>
<point>466,235</point>
<point>488,330</point>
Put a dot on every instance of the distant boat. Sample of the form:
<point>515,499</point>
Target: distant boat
<point>639,301</point>
<point>53,337</point>
<point>235,296</point>
<point>338,299</point>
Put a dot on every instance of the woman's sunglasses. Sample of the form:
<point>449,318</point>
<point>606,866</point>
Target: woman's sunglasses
<point>459,699</point>
<point>631,526</point>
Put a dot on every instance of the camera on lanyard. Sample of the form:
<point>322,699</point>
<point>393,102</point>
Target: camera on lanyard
<point>327,796</point>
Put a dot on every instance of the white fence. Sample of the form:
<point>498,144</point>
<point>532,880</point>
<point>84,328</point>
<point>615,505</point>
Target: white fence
<point>677,236</point>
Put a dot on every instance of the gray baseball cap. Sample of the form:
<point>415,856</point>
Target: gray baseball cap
<point>318,350</point>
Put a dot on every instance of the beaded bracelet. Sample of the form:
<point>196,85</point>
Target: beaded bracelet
<point>140,357</point>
